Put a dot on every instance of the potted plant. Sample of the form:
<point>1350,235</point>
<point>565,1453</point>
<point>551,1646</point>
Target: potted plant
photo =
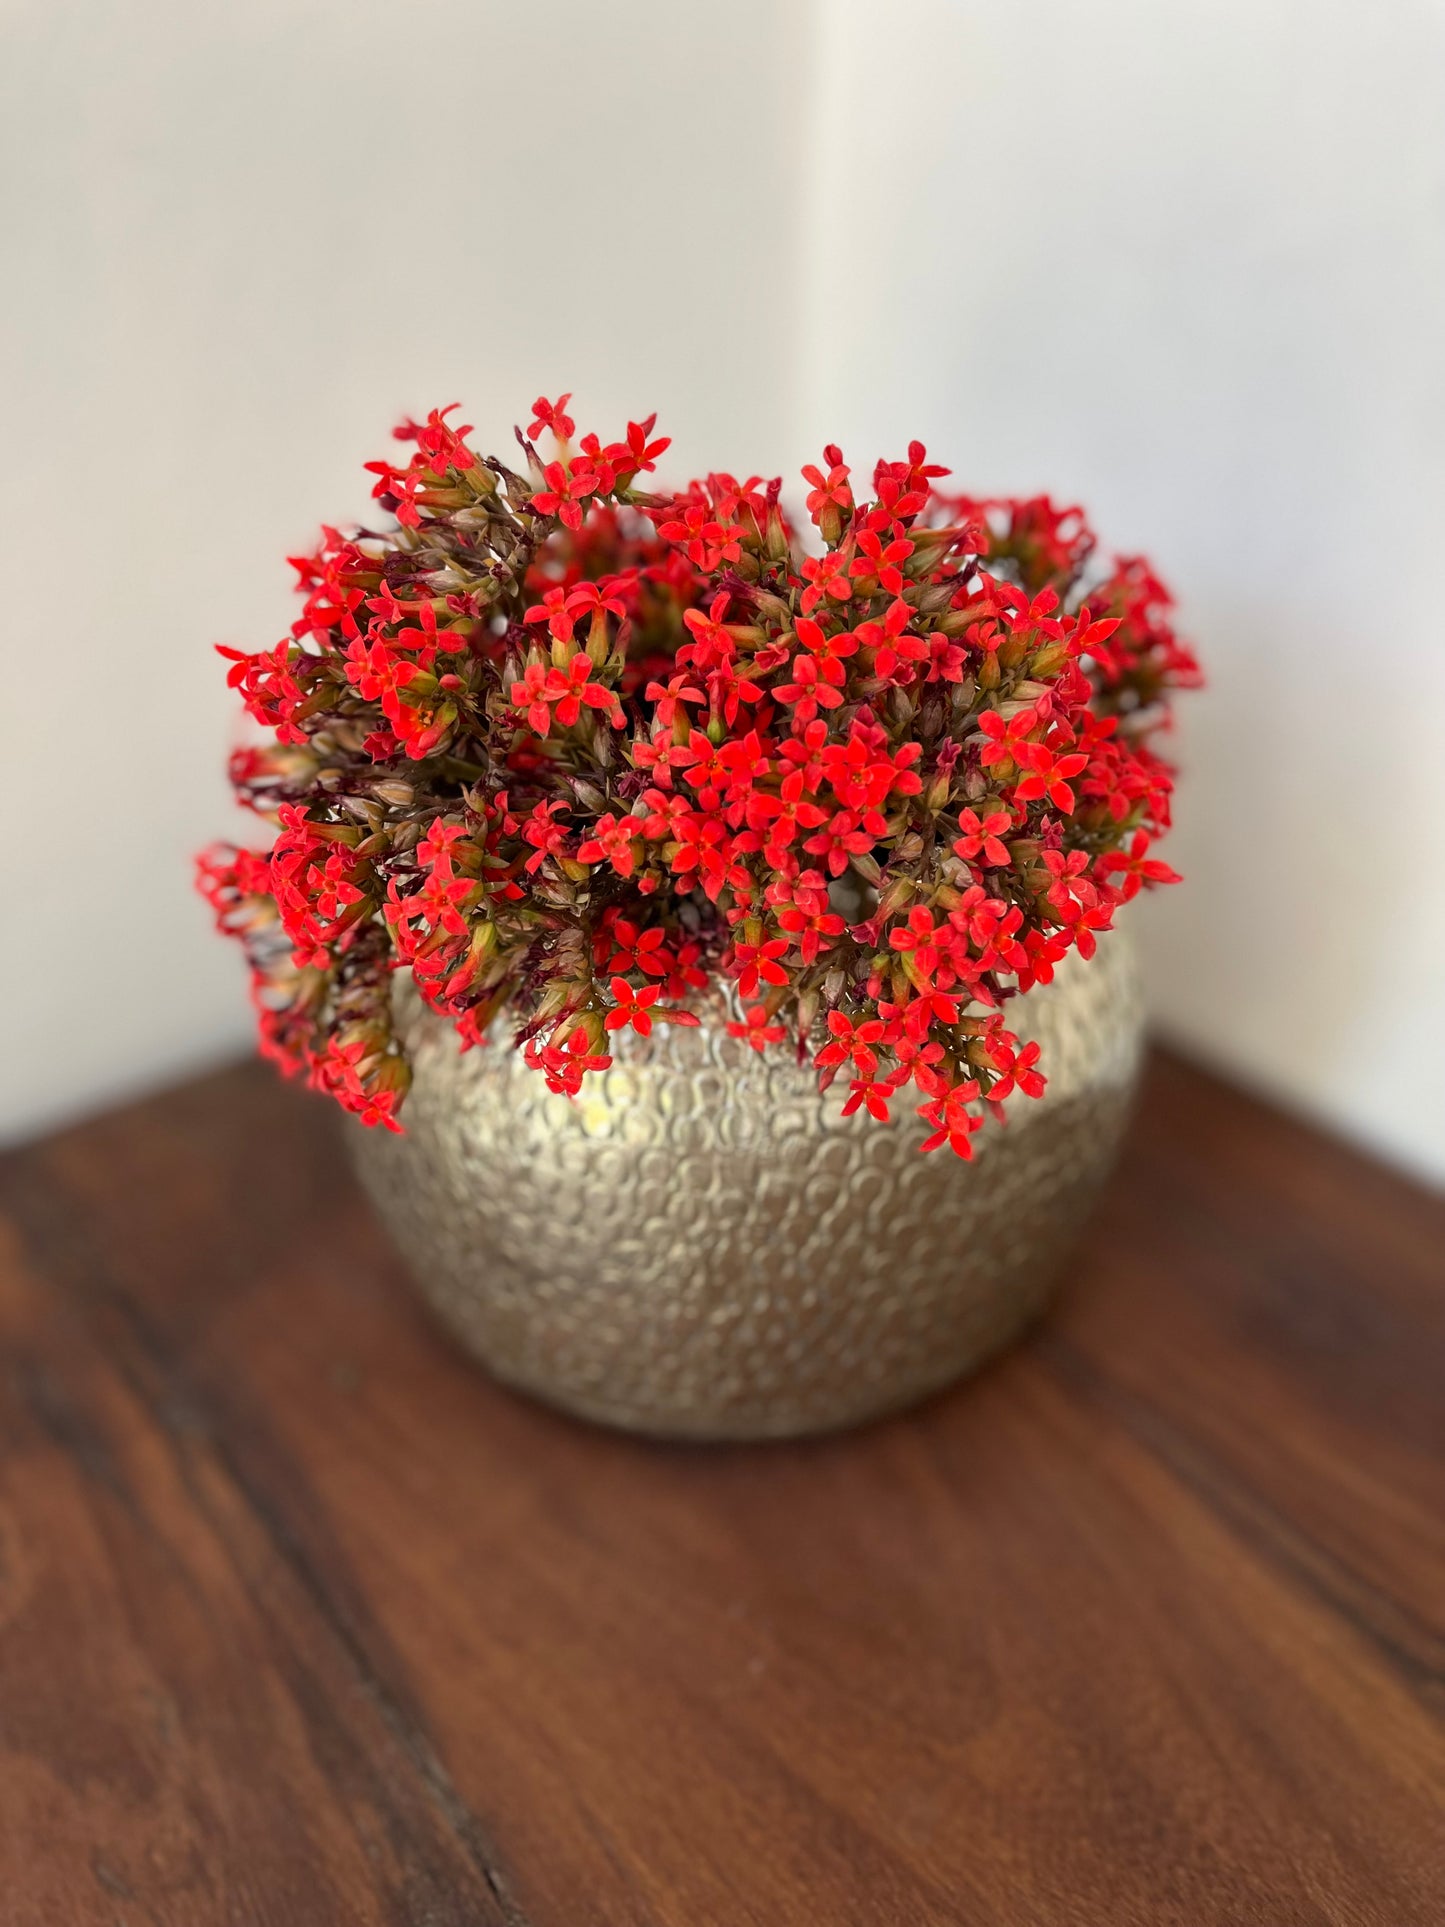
<point>779,850</point>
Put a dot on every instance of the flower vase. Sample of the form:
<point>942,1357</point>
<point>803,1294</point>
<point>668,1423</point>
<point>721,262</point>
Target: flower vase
<point>701,1245</point>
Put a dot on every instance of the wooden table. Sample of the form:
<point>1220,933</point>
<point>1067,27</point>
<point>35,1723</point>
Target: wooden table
<point>302,1621</point>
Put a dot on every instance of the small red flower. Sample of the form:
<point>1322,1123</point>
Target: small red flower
<point>637,454</point>
<point>815,685</point>
<point>852,1040</point>
<point>1048,771</point>
<point>839,840</point>
<point>1017,1069</point>
<point>548,414</point>
<point>622,946</point>
<point>881,561</point>
<point>548,693</point>
<point>756,1028</point>
<point>953,1122</point>
<point>982,836</point>
<point>666,696</point>
<point>865,1093</point>
<point>754,961</point>
<point>568,486</point>
<point>564,1065</point>
<point>614,840</point>
<point>702,536</point>
<point>1130,871</point>
<point>631,1006</point>
<point>917,940</point>
<point>828,491</point>
<point>1005,740</point>
<point>826,575</point>
<point>554,611</point>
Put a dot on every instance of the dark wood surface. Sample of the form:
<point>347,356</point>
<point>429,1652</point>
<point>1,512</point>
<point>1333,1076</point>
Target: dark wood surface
<point>302,1621</point>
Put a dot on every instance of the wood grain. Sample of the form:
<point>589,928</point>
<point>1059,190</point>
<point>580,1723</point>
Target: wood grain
<point>302,1621</point>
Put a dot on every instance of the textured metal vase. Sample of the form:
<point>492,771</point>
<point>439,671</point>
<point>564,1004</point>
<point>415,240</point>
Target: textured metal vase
<point>702,1246</point>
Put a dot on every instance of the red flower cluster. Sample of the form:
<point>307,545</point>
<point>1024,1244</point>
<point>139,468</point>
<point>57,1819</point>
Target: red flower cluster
<point>569,749</point>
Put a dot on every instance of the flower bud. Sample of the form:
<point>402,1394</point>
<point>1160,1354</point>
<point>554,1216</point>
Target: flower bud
<point>933,599</point>
<point>590,797</point>
<point>393,1073</point>
<point>1049,660</point>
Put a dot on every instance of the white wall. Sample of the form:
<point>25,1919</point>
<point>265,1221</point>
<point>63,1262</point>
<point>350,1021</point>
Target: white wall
<point>237,242</point>
<point>1181,261</point>
<point>1185,262</point>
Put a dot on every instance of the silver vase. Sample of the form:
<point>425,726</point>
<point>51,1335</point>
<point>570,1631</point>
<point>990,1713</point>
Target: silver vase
<point>702,1246</point>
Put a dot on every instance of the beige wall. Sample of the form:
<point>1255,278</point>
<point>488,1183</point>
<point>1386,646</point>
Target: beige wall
<point>1185,262</point>
<point>1182,261</point>
<point>236,243</point>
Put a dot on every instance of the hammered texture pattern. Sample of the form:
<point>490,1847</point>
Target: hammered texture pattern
<point>702,1246</point>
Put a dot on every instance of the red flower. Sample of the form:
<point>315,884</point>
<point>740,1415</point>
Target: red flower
<point>892,642</point>
<point>864,1092</point>
<point>1006,739</point>
<point>1048,770</point>
<point>615,840</point>
<point>634,949</point>
<point>881,562</point>
<point>808,927</point>
<point>547,837</point>
<point>376,672</point>
<point>532,695</point>
<point>781,817</point>
<point>839,840</point>
<point>703,537</point>
<point>954,1123</point>
<point>711,645</point>
<point>830,490</point>
<point>667,696</point>
<point>568,486</point>
<point>918,941</point>
<point>631,1006</point>
<point>826,575</point>
<point>851,1040</point>
<point>981,838</point>
<point>753,961</point>
<point>831,650</point>
<point>816,684</point>
<point>442,446</point>
<point>548,414</point>
<point>563,1065</point>
<point>1016,1069</point>
<point>637,454</point>
<point>561,693</point>
<point>554,611</point>
<point>1129,871</point>
<point>756,1029</point>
